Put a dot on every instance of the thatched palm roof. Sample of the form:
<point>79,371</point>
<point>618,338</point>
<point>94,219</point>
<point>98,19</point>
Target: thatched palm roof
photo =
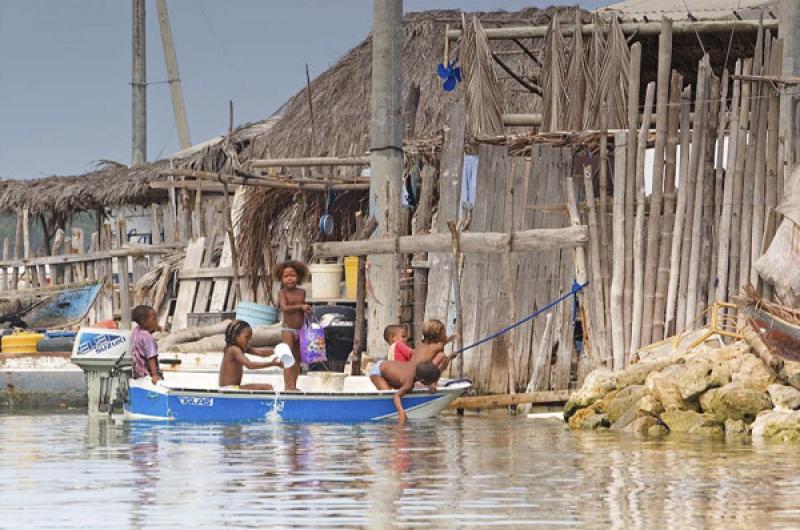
<point>341,97</point>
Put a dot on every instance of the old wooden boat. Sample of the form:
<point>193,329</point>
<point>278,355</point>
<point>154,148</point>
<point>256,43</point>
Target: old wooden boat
<point>781,337</point>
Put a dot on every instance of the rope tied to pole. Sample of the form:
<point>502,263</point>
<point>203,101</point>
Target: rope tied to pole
<point>573,292</point>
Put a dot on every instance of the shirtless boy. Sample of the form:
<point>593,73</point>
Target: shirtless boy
<point>234,360</point>
<point>387,375</point>
<point>434,340</point>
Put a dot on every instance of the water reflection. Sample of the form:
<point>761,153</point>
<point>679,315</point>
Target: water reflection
<point>65,470</point>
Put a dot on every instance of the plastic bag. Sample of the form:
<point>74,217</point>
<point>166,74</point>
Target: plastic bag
<point>312,342</point>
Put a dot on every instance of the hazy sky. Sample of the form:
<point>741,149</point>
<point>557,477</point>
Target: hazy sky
<point>65,69</point>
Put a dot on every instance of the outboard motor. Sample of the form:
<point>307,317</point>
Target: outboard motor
<point>104,355</point>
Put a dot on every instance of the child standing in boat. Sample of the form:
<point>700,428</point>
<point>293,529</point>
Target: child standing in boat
<point>292,303</point>
<point>234,361</point>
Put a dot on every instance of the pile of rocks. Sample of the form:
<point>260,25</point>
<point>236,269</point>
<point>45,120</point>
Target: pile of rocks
<point>706,390</point>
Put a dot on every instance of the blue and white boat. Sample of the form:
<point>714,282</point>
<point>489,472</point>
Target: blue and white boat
<point>358,401</point>
<point>192,393</point>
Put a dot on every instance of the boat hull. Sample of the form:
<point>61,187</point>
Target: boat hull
<point>214,405</point>
<point>781,337</point>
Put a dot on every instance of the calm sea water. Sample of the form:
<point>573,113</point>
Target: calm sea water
<point>66,471</point>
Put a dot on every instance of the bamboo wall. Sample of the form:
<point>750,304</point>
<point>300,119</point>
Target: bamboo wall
<point>666,240</point>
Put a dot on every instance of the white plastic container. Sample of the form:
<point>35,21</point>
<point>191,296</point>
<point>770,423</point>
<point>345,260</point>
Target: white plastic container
<point>326,281</point>
<point>324,382</point>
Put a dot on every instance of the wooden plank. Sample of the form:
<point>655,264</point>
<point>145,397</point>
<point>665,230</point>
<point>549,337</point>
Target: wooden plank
<point>552,397</point>
<point>598,328</point>
<point>209,273</point>
<point>170,224</point>
<point>124,280</point>
<point>480,313</point>
<point>727,194</point>
<point>439,296</point>
<point>79,271</point>
<point>207,187</point>
<point>187,289</point>
<point>423,218</point>
<point>738,184</point>
<point>213,227</point>
<point>155,224</point>
<point>222,284</point>
<point>746,229</point>
<point>471,242</point>
<point>5,269</point>
<point>540,358</point>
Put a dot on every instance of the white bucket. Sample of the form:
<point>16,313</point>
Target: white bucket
<point>326,281</point>
<point>324,382</point>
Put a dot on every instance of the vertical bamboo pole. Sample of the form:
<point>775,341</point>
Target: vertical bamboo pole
<point>5,269</point>
<point>759,179</point>
<point>662,115</point>
<point>599,335</point>
<point>580,251</point>
<point>694,163</point>
<point>707,231</point>
<point>746,230</point>
<point>458,257</point>
<point>510,287</point>
<point>719,178</point>
<point>124,280</point>
<point>638,231</point>
<point>773,125</point>
<point>361,321</point>
<point>618,263</point>
<point>634,77</point>
<point>696,226</point>
<point>738,185</point>
<point>606,254</point>
<point>665,245</point>
<point>680,212</point>
<point>423,217</point>
<point>723,252</point>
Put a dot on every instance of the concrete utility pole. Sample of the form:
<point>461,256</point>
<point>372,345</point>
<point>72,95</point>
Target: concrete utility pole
<point>139,87</point>
<point>181,123</point>
<point>789,17</point>
<point>386,161</point>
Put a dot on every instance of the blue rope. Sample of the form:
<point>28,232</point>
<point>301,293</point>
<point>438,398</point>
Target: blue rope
<point>576,288</point>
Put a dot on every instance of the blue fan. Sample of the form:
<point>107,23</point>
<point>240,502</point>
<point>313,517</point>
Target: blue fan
<point>451,75</point>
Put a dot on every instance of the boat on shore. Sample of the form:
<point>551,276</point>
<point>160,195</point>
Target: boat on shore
<point>781,337</point>
<point>356,401</point>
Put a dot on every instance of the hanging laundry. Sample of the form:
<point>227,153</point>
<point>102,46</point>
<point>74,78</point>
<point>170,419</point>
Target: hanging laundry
<point>469,182</point>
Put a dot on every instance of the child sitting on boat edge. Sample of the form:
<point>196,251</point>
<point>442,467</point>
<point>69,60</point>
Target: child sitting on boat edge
<point>144,348</point>
<point>237,343</point>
